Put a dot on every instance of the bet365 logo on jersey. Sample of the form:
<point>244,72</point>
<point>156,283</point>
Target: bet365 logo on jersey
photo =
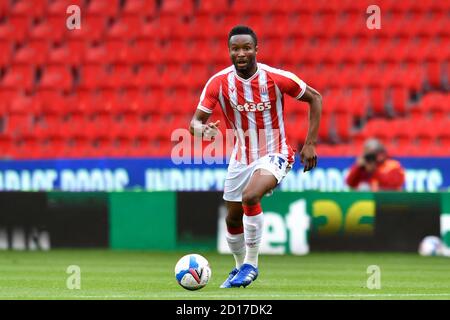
<point>253,107</point>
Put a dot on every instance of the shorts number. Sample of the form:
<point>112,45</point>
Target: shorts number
<point>280,161</point>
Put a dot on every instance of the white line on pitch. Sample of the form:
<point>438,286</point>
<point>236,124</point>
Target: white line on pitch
<point>156,296</point>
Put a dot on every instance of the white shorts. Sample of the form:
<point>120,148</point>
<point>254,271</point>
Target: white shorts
<point>239,174</point>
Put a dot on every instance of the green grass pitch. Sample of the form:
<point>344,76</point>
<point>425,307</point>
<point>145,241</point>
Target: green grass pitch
<point>109,274</point>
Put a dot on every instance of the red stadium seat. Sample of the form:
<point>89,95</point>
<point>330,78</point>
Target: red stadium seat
<point>6,146</point>
<point>343,123</point>
<point>136,7</point>
<point>435,105</point>
<point>150,103</point>
<point>34,53</point>
<point>59,7</point>
<point>91,31</point>
<point>149,76</point>
<point>208,8</point>
<point>93,76</point>
<point>126,28</point>
<point>399,99</point>
<point>401,132</point>
<point>122,76</point>
<point>324,129</point>
<point>63,56</point>
<point>108,8</point>
<point>434,73</point>
<point>45,31</point>
<point>177,7</point>
<point>425,134</point>
<point>19,77</point>
<point>174,77</point>
<point>56,77</point>
<point>20,115</point>
<point>20,26</point>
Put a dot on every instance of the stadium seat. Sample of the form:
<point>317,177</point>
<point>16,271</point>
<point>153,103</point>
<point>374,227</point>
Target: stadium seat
<point>46,31</point>
<point>148,77</point>
<point>399,99</point>
<point>20,115</point>
<point>435,105</point>
<point>176,7</point>
<point>62,56</point>
<point>19,27</point>
<point>93,76</point>
<point>56,77</point>
<point>19,77</point>
<point>59,7</point>
<point>107,8</point>
<point>34,53</point>
<point>126,28</point>
<point>210,8</point>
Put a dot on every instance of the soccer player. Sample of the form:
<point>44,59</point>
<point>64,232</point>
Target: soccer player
<point>250,95</point>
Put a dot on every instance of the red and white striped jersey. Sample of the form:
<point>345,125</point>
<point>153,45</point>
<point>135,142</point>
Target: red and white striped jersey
<point>254,109</point>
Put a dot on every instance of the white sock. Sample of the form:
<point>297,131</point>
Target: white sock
<point>237,246</point>
<point>253,228</point>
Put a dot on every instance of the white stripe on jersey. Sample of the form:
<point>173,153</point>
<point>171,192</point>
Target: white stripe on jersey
<point>222,102</point>
<point>252,129</point>
<point>266,113</point>
<point>284,148</point>
<point>224,109</point>
<point>202,96</point>
<point>232,93</point>
<point>204,109</point>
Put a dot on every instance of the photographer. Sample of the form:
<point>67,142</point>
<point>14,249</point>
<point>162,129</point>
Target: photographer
<point>375,171</point>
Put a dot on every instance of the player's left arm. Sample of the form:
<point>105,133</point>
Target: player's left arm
<point>308,154</point>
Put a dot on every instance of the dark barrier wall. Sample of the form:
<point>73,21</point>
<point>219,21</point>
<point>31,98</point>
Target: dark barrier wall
<point>52,220</point>
<point>295,222</point>
<point>403,220</point>
<point>197,214</point>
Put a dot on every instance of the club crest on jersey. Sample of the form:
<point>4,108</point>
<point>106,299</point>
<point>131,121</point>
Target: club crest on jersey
<point>252,107</point>
<point>263,89</point>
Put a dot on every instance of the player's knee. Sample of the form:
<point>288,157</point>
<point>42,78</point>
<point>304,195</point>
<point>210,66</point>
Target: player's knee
<point>250,197</point>
<point>233,221</point>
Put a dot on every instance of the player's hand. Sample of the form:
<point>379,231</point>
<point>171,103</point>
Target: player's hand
<point>211,130</point>
<point>308,157</point>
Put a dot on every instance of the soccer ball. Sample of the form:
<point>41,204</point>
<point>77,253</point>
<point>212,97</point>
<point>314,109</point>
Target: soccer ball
<point>430,246</point>
<point>192,272</point>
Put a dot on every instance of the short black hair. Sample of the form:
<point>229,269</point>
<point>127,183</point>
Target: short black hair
<point>241,29</point>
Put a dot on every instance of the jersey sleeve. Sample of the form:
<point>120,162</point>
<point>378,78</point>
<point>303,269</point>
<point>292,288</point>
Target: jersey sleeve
<point>210,95</point>
<point>289,83</point>
<point>355,176</point>
<point>395,175</point>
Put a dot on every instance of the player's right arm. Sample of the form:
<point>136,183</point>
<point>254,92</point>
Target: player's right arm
<point>199,128</point>
<point>354,176</point>
<point>208,100</point>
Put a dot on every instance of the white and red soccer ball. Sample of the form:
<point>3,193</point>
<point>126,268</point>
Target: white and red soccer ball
<point>192,272</point>
<point>430,246</point>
